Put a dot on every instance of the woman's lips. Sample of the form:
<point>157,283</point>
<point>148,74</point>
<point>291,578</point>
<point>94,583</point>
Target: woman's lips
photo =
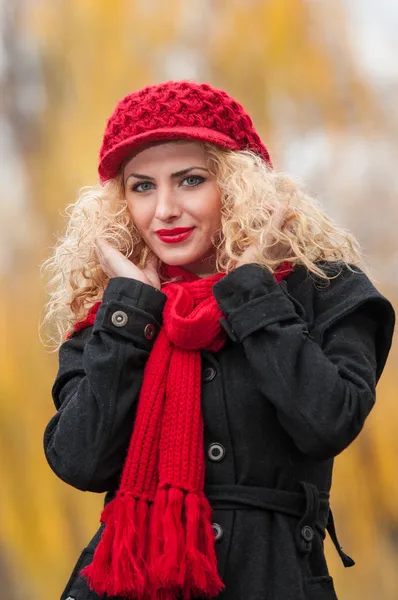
<point>178,237</point>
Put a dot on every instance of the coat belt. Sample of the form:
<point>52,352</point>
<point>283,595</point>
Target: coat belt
<point>309,505</point>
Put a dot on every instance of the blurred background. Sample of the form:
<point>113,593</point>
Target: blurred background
<point>320,79</point>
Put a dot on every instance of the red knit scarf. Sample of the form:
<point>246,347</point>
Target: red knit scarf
<point>158,540</point>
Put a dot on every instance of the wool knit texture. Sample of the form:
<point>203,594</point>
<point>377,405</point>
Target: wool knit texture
<point>158,541</point>
<point>176,110</point>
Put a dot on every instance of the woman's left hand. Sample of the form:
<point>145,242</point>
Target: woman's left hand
<point>275,251</point>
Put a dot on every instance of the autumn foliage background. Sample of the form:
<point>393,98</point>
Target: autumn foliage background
<point>293,64</point>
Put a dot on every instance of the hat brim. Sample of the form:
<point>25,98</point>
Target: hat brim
<point>110,163</point>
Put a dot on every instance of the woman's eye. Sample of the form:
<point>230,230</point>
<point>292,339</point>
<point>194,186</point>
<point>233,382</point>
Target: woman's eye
<point>193,180</point>
<point>189,181</point>
<point>140,187</point>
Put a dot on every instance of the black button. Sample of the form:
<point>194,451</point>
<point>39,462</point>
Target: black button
<point>208,374</point>
<point>308,533</point>
<point>216,452</point>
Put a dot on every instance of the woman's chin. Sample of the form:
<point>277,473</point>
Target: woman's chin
<point>175,260</point>
<point>177,256</point>
<point>184,255</point>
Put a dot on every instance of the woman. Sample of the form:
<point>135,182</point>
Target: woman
<point>219,344</point>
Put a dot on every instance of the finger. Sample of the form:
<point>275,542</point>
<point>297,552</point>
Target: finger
<point>101,248</point>
<point>99,245</point>
<point>104,245</point>
<point>280,214</point>
<point>109,253</point>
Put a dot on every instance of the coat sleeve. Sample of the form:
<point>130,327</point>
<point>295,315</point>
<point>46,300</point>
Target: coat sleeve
<point>321,379</point>
<point>97,386</point>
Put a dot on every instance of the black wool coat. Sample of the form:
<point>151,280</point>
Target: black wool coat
<point>290,390</point>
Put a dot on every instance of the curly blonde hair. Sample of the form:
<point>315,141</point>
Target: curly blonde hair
<point>250,191</point>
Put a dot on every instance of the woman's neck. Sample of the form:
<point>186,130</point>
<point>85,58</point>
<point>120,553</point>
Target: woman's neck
<point>204,267</point>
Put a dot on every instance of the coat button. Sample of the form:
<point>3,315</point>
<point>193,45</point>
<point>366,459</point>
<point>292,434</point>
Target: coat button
<point>218,531</point>
<point>149,331</point>
<point>208,374</point>
<point>216,452</point>
<point>119,318</point>
<point>308,533</point>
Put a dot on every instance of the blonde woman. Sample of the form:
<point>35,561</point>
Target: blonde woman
<point>219,344</point>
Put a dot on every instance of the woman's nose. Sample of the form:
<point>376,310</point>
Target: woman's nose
<point>167,205</point>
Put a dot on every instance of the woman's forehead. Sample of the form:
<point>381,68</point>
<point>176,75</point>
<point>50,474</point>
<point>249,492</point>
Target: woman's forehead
<point>172,151</point>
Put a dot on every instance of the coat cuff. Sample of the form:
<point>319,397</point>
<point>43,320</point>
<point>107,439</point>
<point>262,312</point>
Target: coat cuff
<point>131,309</point>
<point>251,299</point>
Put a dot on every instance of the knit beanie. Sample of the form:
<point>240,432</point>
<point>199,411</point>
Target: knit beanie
<point>176,110</point>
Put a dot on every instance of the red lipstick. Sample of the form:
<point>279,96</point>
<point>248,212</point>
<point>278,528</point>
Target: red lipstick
<point>171,236</point>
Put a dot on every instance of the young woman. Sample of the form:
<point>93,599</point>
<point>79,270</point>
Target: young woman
<point>219,344</point>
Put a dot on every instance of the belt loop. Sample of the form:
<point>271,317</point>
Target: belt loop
<point>305,528</point>
<point>347,560</point>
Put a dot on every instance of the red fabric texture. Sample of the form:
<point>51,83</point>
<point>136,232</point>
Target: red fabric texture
<point>158,540</point>
<point>89,320</point>
<point>176,110</point>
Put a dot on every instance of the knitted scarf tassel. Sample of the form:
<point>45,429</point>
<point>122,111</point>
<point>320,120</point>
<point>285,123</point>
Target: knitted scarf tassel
<point>158,540</point>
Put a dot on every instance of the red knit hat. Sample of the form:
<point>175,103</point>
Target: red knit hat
<point>176,110</point>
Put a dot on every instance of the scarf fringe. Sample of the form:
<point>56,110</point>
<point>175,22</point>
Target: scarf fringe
<point>118,567</point>
<point>200,555</point>
<point>187,562</point>
<point>156,552</point>
<point>167,566</point>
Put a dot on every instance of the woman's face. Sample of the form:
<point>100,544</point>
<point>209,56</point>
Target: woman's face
<point>168,185</point>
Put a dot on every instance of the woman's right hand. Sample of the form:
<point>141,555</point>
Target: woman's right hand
<point>115,264</point>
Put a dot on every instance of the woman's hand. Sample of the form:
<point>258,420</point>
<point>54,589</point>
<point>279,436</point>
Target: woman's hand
<point>274,251</point>
<point>115,264</point>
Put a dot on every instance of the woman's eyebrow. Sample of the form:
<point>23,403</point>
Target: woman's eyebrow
<point>173,175</point>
